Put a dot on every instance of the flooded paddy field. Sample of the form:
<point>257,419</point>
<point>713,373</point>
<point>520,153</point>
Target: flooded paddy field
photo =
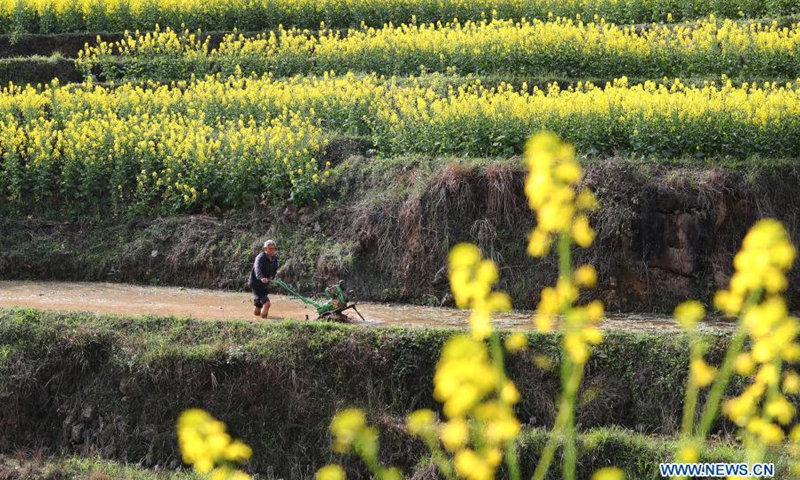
<point>124,299</point>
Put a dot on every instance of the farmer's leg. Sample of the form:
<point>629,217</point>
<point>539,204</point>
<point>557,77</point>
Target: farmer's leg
<point>265,309</point>
<point>258,299</point>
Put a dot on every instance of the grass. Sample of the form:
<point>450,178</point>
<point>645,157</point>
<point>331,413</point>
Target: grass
<point>637,454</point>
<point>124,381</point>
<point>288,378</point>
<point>25,467</point>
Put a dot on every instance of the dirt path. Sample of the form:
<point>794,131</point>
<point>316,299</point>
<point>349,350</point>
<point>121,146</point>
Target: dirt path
<point>212,304</point>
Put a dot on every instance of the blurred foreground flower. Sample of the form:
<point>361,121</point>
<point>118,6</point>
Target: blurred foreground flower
<point>553,175</point>
<point>471,280</point>
<point>205,445</point>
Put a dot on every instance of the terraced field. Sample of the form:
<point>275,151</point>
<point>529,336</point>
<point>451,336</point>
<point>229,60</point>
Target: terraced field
<point>160,142</point>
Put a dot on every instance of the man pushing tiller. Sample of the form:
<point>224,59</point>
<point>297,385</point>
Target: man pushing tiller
<point>264,269</point>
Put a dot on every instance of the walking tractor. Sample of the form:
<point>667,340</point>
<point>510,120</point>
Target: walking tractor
<point>330,310</point>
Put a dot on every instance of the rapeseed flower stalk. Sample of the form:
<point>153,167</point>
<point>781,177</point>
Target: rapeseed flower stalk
<point>470,379</point>
<point>562,217</point>
<point>688,314</point>
<point>208,448</point>
<point>480,425</point>
<point>471,280</point>
<point>480,428</point>
<point>755,296</point>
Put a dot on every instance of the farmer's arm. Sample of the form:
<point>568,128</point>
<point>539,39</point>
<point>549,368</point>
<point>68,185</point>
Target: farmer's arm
<point>259,267</point>
<point>274,265</point>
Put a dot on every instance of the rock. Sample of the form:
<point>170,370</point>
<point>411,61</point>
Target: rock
<point>290,214</point>
<point>77,433</point>
<point>440,277</point>
<point>125,387</point>
<point>679,242</point>
<point>342,148</point>
<point>304,214</point>
<point>448,301</point>
<point>87,413</point>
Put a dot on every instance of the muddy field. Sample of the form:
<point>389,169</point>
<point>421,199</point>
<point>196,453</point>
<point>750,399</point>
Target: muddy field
<point>223,305</point>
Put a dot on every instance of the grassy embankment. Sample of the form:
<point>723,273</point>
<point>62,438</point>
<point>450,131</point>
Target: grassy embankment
<point>113,386</point>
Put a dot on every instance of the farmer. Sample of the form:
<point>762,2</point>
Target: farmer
<point>264,269</point>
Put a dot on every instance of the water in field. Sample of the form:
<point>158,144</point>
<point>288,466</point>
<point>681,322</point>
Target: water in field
<point>223,305</point>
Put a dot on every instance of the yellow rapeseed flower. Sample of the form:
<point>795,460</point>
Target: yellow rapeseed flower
<point>204,442</point>
<point>586,276</point>
<point>464,375</point>
<point>471,281</point>
<point>576,347</point>
<point>702,373</point>
<point>347,426</point>
<point>609,473</point>
<point>472,466</point>
<point>421,422</point>
<point>509,393</point>
<point>780,409</point>
<point>688,454</point>
<point>744,364</point>
<point>330,472</point>
<point>516,341</point>
<point>689,313</point>
<point>455,434</point>
<point>791,383</point>
<point>766,254</point>
<point>224,473</point>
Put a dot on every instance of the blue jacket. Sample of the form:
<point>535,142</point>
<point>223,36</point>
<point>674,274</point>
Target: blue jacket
<point>263,267</point>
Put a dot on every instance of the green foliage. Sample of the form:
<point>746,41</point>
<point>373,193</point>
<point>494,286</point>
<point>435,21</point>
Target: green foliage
<point>59,16</point>
<point>68,468</point>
